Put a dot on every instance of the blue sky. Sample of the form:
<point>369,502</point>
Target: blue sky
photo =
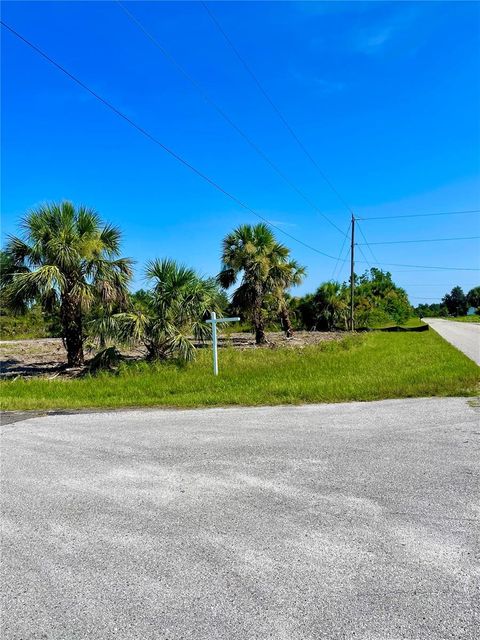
<point>384,95</point>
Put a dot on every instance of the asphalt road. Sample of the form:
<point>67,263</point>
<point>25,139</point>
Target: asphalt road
<point>335,521</point>
<point>463,335</point>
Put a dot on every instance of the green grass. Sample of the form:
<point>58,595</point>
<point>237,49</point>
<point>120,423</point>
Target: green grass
<point>466,319</point>
<point>367,367</point>
<point>411,322</point>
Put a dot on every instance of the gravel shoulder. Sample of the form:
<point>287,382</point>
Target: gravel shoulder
<point>342,521</point>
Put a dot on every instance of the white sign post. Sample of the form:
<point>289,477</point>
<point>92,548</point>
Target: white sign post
<point>214,321</point>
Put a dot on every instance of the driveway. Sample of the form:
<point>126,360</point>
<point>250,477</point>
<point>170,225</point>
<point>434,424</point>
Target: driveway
<point>463,335</point>
<point>333,521</point>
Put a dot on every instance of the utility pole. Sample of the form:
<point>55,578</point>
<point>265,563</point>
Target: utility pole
<point>352,274</point>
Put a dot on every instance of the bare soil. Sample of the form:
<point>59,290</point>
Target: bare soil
<point>47,356</point>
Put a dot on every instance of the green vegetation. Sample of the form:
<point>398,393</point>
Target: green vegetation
<point>362,367</point>
<point>64,277</point>
<point>473,319</point>
<point>169,315</point>
<point>378,302</point>
<point>28,326</point>
<point>411,322</point>
<point>66,261</point>
<point>456,302</point>
<point>434,310</point>
<point>473,298</point>
<point>252,253</point>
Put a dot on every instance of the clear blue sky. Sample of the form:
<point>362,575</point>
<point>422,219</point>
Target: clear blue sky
<point>384,95</point>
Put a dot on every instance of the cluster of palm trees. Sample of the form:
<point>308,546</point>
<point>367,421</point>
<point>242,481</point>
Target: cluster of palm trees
<point>68,260</point>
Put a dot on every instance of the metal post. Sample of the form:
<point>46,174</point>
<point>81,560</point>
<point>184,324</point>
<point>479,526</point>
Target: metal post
<point>214,343</point>
<point>214,321</point>
<point>352,274</point>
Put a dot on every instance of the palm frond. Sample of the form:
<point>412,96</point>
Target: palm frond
<point>26,287</point>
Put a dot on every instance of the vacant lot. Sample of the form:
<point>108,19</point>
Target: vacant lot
<point>363,367</point>
<point>47,356</point>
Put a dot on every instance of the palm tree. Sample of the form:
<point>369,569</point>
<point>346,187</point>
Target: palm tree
<point>331,304</point>
<point>67,258</point>
<point>172,311</point>
<point>252,252</point>
<point>283,276</point>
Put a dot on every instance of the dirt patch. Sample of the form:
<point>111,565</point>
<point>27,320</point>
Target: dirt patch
<point>47,357</point>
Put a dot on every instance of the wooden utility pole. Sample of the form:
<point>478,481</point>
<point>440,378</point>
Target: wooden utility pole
<point>352,274</point>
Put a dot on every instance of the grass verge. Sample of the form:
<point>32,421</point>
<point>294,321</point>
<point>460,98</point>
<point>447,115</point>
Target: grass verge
<point>411,322</point>
<point>474,319</point>
<point>367,367</point>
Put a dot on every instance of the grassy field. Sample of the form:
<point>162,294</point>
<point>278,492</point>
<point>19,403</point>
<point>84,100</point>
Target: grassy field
<point>363,367</point>
<point>411,322</point>
<point>466,319</point>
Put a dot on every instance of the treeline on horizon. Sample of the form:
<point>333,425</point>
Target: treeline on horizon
<point>65,277</point>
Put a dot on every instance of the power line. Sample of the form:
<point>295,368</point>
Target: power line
<point>343,263</point>
<point>341,252</point>
<point>148,135</point>
<point>427,267</point>
<point>363,256</point>
<point>199,173</point>
<point>366,242</point>
<point>274,106</point>
<point>425,240</point>
<point>206,96</point>
<point>423,215</point>
<point>424,269</point>
<point>416,284</point>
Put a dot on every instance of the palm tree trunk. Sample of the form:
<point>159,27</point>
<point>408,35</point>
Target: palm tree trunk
<point>286,322</point>
<point>72,331</point>
<point>260,337</point>
<point>258,322</point>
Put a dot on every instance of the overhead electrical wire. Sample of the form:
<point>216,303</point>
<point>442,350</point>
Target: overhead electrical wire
<point>267,97</point>
<point>422,284</point>
<point>422,215</point>
<point>209,100</point>
<point>282,118</point>
<point>366,241</point>
<point>421,240</point>
<point>148,135</point>
<point>364,257</point>
<point>187,164</point>
<point>343,263</point>
<point>427,267</point>
<point>341,252</point>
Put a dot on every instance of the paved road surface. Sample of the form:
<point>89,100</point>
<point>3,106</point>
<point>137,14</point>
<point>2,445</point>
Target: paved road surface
<point>333,521</point>
<point>463,335</point>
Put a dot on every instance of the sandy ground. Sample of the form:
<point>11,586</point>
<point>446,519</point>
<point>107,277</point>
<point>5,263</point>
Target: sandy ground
<point>47,356</point>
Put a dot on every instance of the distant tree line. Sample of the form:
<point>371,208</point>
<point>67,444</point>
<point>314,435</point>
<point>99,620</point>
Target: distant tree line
<point>456,303</point>
<point>66,271</point>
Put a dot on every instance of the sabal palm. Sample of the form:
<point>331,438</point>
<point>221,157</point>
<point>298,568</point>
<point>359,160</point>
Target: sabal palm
<point>70,257</point>
<point>284,275</point>
<point>174,310</point>
<point>331,303</point>
<point>253,253</point>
